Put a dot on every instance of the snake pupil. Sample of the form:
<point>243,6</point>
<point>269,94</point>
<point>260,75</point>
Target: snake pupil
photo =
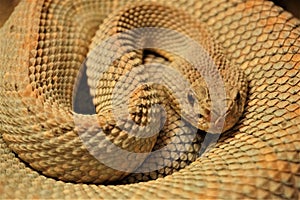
<point>191,99</point>
<point>238,96</point>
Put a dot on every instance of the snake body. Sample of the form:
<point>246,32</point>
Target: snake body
<point>41,55</point>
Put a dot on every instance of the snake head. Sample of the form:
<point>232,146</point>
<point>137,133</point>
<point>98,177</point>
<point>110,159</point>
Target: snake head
<point>215,111</point>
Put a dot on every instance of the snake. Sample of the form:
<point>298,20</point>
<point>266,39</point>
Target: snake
<point>48,150</point>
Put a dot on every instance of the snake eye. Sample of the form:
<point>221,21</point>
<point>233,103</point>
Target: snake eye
<point>238,96</point>
<point>191,99</point>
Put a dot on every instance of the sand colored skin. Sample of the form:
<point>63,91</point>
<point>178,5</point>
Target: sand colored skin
<point>258,158</point>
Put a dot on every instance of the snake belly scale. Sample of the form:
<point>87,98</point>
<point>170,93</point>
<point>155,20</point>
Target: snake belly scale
<point>45,45</point>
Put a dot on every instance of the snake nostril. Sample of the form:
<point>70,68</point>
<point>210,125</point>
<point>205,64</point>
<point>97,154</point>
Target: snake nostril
<point>204,115</point>
<point>199,115</point>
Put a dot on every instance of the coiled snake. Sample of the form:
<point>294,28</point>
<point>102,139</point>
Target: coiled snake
<point>43,55</point>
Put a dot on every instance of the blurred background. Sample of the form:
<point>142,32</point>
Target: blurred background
<point>6,7</point>
<point>292,6</point>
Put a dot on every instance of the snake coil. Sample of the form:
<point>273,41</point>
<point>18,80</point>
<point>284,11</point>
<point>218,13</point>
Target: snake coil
<point>45,46</point>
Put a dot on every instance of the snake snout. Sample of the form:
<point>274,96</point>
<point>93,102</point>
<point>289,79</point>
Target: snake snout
<point>225,121</point>
<point>221,120</point>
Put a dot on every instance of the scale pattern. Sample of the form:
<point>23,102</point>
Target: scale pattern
<point>259,158</point>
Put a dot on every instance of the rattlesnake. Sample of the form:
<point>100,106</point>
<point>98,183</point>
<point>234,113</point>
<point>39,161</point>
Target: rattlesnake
<point>259,157</point>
